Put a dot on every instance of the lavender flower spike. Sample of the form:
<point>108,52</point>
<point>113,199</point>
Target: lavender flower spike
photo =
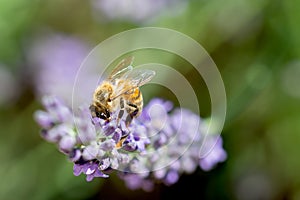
<point>160,145</point>
<point>89,143</point>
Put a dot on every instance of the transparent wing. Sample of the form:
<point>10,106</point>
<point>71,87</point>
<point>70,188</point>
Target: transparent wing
<point>133,79</point>
<point>122,67</point>
<point>138,77</point>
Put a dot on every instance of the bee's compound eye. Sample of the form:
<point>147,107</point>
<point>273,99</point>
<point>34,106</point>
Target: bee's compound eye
<point>98,114</point>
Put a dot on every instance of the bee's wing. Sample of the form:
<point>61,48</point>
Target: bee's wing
<point>135,78</point>
<point>139,77</point>
<point>122,67</point>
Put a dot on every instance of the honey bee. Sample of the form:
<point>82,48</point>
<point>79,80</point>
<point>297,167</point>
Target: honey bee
<point>120,92</point>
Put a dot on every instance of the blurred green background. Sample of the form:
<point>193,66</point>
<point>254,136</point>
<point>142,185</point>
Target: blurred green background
<point>256,46</point>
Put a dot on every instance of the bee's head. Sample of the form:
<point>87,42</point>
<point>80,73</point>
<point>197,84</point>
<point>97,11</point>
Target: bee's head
<point>100,112</point>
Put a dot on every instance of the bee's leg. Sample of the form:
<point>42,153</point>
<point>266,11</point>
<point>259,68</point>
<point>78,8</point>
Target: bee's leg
<point>128,120</point>
<point>131,114</point>
<point>121,112</point>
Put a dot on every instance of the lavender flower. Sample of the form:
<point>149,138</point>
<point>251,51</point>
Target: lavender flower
<point>160,145</point>
<point>90,143</point>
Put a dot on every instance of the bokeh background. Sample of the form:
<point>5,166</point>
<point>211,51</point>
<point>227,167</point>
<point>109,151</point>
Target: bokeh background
<point>255,44</point>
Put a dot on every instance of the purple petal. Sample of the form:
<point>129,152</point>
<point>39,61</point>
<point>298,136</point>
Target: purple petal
<point>52,135</point>
<point>212,159</point>
<point>108,145</point>
<point>93,172</point>
<point>67,143</point>
<point>188,164</point>
<point>90,152</point>
<point>75,155</point>
<point>96,120</point>
<point>114,163</point>
<point>57,108</point>
<point>105,163</point>
<point>140,146</point>
<point>117,135</point>
<point>86,130</point>
<point>159,174</point>
<point>91,169</point>
<point>123,158</point>
<point>217,154</point>
<point>172,177</point>
<point>167,105</point>
<point>129,144</point>
<point>44,119</point>
<point>98,173</point>
<point>108,130</point>
<point>78,169</point>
